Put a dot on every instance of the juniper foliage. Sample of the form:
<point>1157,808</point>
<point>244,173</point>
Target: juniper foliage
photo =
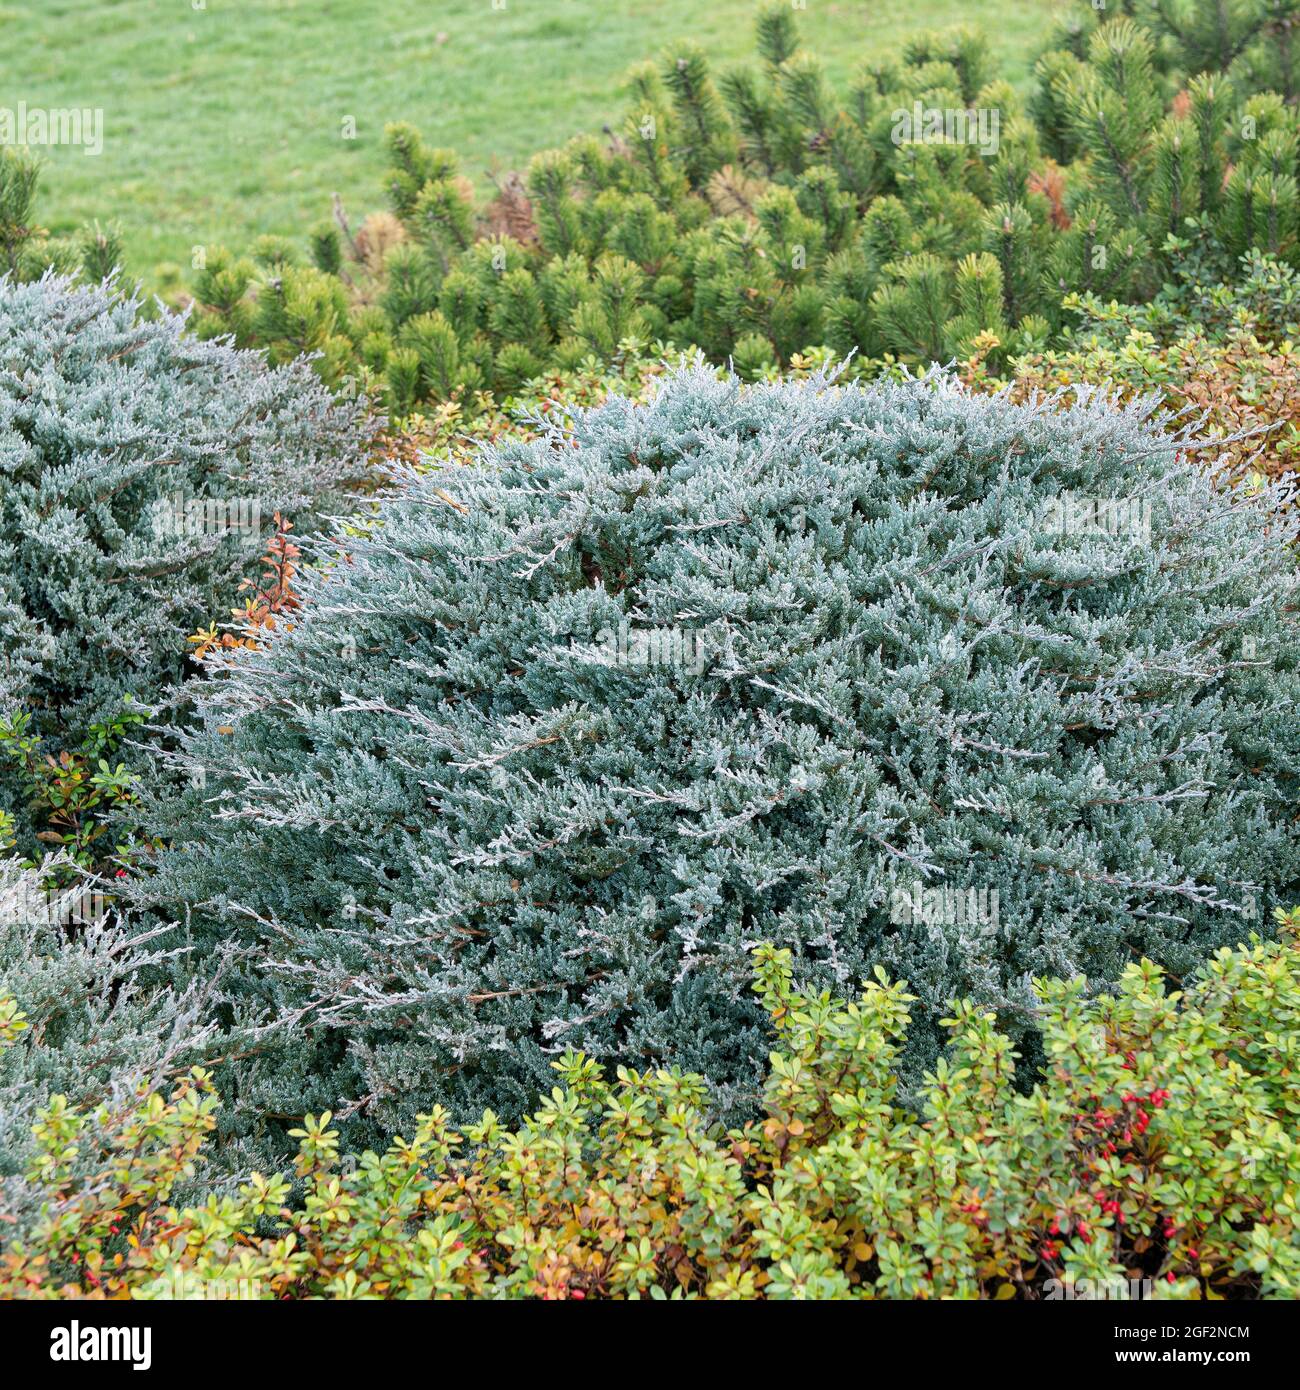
<point>139,474</point>
<point>583,721</point>
<point>91,1030</point>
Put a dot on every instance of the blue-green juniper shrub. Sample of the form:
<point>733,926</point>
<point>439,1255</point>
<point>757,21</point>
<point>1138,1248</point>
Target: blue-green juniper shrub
<point>568,730</point>
<point>140,471</point>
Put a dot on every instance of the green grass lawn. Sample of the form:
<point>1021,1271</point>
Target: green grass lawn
<point>227,121</point>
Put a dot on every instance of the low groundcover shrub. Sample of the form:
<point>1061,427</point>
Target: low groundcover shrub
<point>573,726</point>
<point>90,1032</point>
<point>140,471</point>
<point>1222,353</point>
<point>1156,1158</point>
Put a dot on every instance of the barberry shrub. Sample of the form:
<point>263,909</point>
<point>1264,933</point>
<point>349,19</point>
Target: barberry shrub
<point>139,474</point>
<point>1156,1158</point>
<point>1226,352</point>
<point>76,795</point>
<point>576,724</point>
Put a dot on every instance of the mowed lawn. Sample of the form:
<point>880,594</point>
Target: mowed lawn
<point>228,120</point>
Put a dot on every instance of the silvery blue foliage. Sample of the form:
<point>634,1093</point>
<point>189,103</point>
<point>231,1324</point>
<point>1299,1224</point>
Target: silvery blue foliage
<point>891,676</point>
<point>94,1031</point>
<point>140,471</point>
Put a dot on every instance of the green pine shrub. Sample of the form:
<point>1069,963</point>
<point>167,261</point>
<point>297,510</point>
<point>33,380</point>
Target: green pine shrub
<point>757,213</point>
<point>139,474</point>
<point>580,721</point>
<point>1248,40</point>
<point>26,249</point>
<point>1156,1158</point>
